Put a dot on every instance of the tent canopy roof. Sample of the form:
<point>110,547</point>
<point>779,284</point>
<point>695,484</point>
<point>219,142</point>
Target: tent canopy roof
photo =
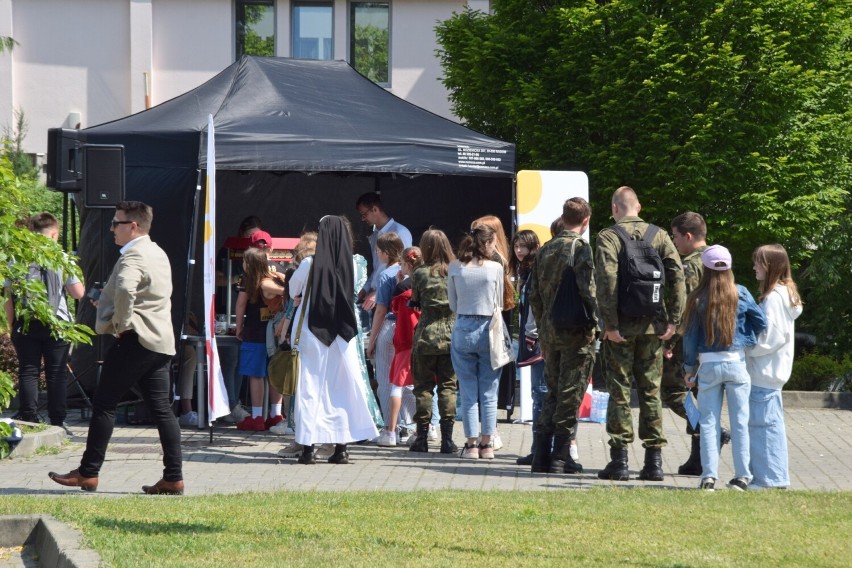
<point>280,114</point>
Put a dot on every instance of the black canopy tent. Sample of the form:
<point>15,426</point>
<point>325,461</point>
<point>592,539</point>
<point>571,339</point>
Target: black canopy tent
<point>295,140</point>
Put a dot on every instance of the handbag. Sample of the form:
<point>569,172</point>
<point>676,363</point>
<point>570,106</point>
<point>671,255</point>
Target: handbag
<point>529,348</point>
<point>569,311</point>
<point>498,338</point>
<point>283,367</point>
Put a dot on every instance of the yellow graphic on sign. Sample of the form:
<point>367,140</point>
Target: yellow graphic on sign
<point>529,191</point>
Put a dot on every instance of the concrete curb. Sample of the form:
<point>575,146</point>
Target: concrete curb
<point>56,544</point>
<point>51,437</point>
<point>805,399</point>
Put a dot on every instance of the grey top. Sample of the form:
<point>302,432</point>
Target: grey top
<point>473,290</point>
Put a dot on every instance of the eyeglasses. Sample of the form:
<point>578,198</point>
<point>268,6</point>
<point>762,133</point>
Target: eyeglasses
<point>116,223</point>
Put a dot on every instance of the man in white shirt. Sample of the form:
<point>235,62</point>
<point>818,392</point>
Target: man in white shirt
<point>371,211</point>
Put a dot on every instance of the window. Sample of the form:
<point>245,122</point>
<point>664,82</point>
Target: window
<point>312,30</point>
<point>369,40</point>
<point>255,27</point>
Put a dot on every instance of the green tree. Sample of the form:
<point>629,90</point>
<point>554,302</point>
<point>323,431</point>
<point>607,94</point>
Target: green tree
<point>253,42</point>
<point>19,247</point>
<point>7,43</point>
<point>371,52</point>
<point>738,109</point>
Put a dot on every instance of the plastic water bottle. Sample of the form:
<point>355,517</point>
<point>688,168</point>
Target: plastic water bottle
<point>596,407</point>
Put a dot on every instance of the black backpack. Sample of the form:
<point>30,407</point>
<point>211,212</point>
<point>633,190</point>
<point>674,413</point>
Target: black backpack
<point>569,311</point>
<point>641,277</point>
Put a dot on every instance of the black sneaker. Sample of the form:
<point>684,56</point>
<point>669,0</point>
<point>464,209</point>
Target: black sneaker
<point>738,484</point>
<point>724,437</point>
<point>708,484</point>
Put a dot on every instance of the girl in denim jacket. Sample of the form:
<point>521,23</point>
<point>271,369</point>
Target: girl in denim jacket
<point>722,320</point>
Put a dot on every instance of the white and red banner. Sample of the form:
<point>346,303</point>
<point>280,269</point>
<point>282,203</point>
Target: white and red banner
<point>217,397</point>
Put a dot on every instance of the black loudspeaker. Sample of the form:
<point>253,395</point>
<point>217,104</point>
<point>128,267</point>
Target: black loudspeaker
<point>64,159</point>
<point>103,175</point>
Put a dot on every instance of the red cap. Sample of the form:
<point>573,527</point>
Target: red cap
<point>260,239</point>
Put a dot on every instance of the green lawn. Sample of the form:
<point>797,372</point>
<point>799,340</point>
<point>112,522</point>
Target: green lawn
<point>598,527</point>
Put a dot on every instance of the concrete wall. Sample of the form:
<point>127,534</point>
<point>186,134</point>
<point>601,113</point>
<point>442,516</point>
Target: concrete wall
<point>100,60</point>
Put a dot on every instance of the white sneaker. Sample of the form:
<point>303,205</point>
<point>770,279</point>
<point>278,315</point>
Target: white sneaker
<point>404,435</point>
<point>387,439</point>
<point>572,451</point>
<point>496,441</point>
<point>294,450</point>
<point>324,451</point>
<point>239,414</point>
<point>189,419</point>
<point>433,434</point>
<point>282,429</point>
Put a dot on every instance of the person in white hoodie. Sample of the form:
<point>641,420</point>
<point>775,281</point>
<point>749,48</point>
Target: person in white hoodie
<point>769,364</point>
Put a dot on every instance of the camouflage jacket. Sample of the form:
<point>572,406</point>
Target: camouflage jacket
<point>692,271</point>
<point>435,328</point>
<point>608,249</point>
<point>550,263</point>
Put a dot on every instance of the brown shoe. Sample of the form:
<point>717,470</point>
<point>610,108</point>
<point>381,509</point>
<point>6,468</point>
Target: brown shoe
<point>74,479</point>
<point>164,487</point>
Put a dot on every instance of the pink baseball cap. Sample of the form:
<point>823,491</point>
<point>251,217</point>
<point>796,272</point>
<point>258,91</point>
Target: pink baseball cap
<point>716,257</point>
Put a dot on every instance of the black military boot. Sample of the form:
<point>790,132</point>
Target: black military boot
<point>528,459</point>
<point>692,466</point>
<point>616,469</point>
<point>560,459</point>
<point>653,470</point>
<point>340,455</point>
<point>421,442</point>
<point>542,453</point>
<point>447,444</point>
<point>307,456</point>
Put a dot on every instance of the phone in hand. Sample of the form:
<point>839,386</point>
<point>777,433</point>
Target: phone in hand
<point>94,292</point>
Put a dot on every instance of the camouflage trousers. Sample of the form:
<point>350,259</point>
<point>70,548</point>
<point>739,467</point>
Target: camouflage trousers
<point>567,368</point>
<point>672,390</point>
<point>640,358</point>
<point>426,369</point>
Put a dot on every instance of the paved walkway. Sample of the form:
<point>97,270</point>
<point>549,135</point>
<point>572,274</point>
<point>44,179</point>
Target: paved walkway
<point>820,459</point>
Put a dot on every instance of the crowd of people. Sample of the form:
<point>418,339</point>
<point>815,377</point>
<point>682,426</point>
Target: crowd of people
<point>665,312</point>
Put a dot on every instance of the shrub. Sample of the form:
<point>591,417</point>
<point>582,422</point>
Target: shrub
<point>8,357</point>
<point>815,372</point>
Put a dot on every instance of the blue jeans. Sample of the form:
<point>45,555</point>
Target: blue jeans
<point>478,382</point>
<point>767,438</point>
<point>713,378</point>
<point>539,390</point>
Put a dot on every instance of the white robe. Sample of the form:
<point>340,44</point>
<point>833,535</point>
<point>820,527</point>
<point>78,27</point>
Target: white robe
<point>331,403</point>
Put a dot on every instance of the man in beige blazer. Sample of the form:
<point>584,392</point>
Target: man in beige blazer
<point>135,306</point>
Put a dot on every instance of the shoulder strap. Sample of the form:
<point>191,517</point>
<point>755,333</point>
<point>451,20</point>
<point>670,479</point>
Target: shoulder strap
<point>304,307</point>
<point>622,233</point>
<point>573,249</point>
<point>650,233</point>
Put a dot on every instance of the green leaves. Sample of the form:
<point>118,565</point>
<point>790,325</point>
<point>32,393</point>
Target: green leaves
<point>737,109</point>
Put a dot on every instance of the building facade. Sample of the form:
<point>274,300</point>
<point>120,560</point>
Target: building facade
<point>78,63</point>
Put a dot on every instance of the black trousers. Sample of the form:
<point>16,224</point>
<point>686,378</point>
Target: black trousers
<point>128,363</point>
<point>31,347</point>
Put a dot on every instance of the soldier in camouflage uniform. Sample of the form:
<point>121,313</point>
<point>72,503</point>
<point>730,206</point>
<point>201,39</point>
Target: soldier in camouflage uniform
<point>568,354</point>
<point>430,354</point>
<point>633,346</point>
<point>689,233</point>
